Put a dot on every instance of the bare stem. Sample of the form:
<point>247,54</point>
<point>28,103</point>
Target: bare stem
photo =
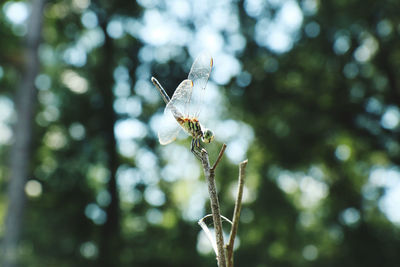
<point>163,94</point>
<point>236,214</point>
<point>221,153</point>
<point>212,190</point>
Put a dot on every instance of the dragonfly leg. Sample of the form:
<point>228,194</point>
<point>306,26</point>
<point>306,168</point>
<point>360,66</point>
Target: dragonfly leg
<point>196,148</point>
<point>200,147</point>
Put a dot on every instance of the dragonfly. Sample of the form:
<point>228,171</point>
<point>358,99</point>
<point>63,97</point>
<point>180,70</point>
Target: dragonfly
<point>183,109</point>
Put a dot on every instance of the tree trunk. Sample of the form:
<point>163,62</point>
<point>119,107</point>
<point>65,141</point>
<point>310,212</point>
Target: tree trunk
<point>21,150</point>
<point>109,247</point>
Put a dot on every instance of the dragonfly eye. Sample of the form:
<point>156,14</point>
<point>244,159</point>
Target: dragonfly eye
<point>208,136</point>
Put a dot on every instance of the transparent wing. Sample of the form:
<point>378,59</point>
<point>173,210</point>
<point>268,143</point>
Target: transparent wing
<point>181,99</point>
<point>199,74</point>
<point>169,128</point>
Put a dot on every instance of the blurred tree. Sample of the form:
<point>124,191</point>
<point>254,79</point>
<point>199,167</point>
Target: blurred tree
<point>317,82</point>
<point>21,151</point>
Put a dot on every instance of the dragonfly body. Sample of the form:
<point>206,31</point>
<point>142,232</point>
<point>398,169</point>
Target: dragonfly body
<point>191,126</point>
<point>185,105</point>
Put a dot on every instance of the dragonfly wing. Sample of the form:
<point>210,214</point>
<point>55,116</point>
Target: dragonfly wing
<point>180,101</point>
<point>199,74</point>
<point>169,128</point>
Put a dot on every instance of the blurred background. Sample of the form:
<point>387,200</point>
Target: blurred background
<point>307,90</point>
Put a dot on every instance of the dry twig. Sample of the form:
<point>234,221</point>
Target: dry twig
<point>216,214</point>
<point>236,214</point>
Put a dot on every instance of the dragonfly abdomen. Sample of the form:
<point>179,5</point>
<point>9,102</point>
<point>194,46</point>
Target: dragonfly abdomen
<point>191,126</point>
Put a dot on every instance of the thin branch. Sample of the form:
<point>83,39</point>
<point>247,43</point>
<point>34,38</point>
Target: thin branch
<point>221,153</point>
<point>236,214</point>
<point>163,94</point>
<point>212,191</point>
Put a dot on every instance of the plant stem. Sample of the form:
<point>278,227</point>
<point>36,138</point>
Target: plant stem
<point>212,190</point>
<point>163,94</point>
<point>221,153</point>
<point>236,214</point>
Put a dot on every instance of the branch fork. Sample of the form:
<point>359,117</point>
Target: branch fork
<point>224,252</point>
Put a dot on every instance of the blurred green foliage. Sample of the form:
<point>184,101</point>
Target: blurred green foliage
<point>325,117</point>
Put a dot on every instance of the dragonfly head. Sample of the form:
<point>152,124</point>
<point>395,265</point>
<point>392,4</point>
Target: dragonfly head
<point>208,136</point>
